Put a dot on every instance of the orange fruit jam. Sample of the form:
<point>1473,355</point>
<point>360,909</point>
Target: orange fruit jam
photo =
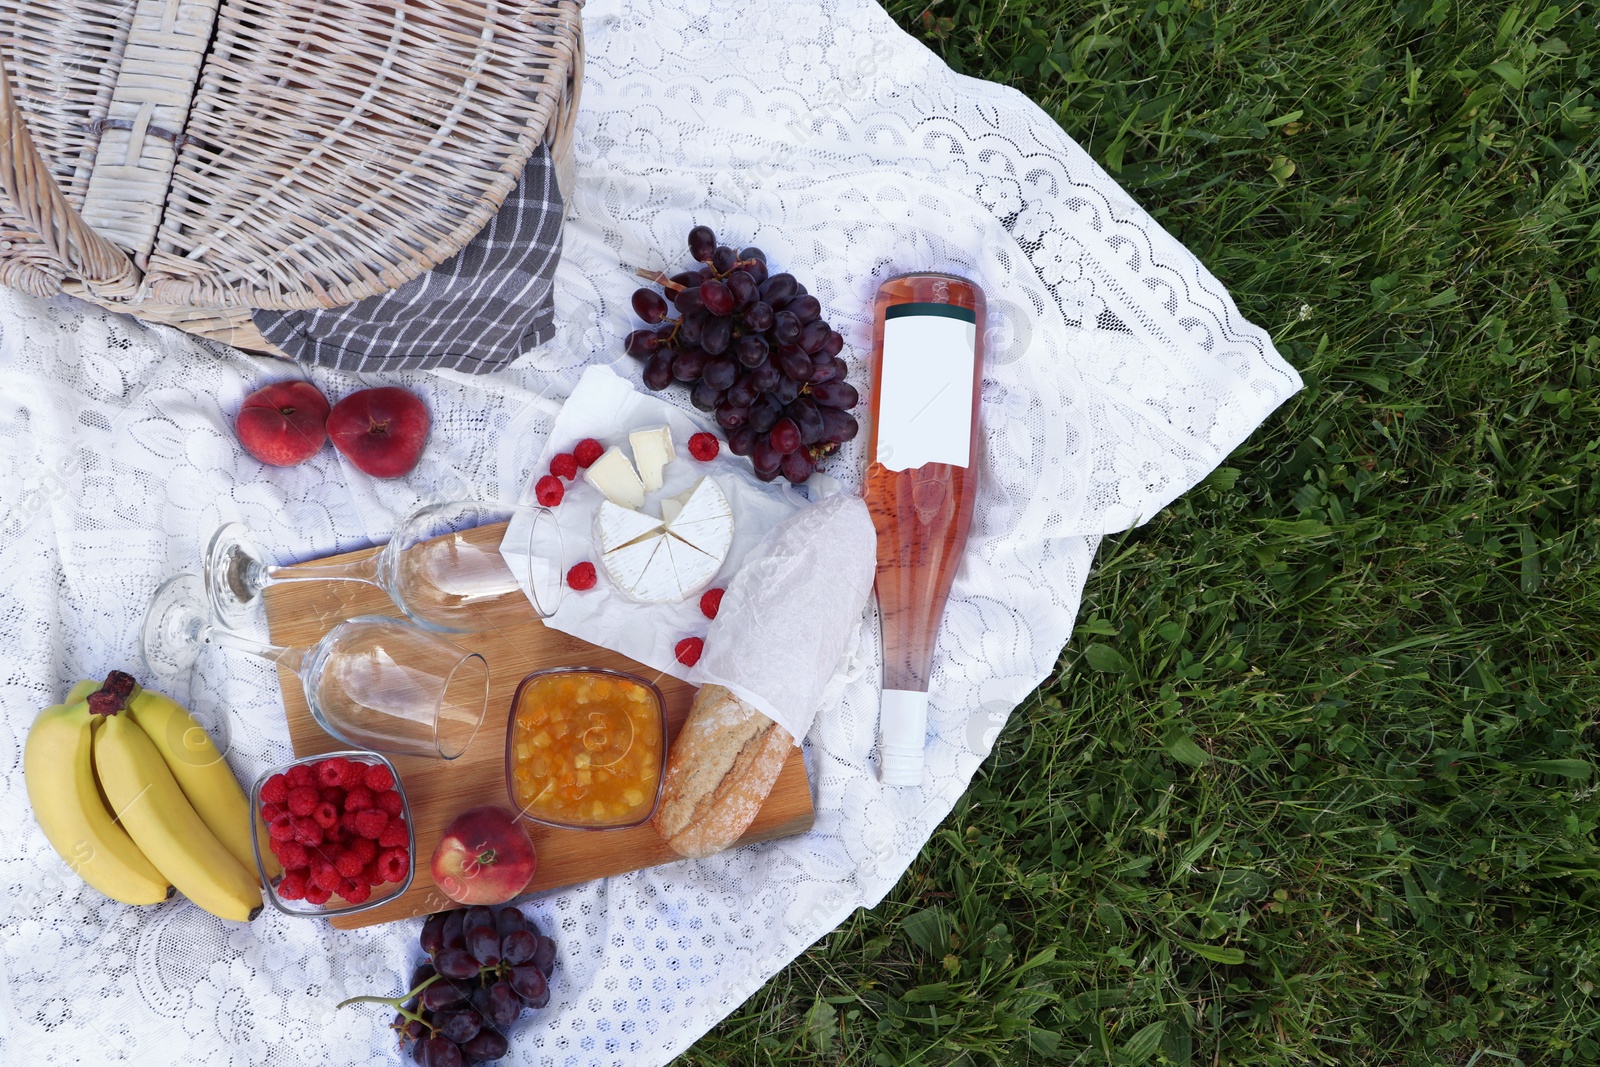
<point>585,749</point>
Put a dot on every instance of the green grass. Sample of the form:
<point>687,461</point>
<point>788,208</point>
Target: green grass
<point>1339,805</point>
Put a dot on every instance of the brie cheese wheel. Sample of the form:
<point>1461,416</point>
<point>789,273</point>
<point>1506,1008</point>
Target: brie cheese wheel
<point>705,520</point>
<point>652,450</point>
<point>617,526</point>
<point>614,476</point>
<point>659,560</point>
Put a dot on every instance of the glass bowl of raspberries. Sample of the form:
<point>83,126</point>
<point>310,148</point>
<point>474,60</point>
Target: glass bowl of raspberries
<point>339,827</point>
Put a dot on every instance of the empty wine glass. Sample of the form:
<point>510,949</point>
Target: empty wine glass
<point>442,567</point>
<point>372,681</point>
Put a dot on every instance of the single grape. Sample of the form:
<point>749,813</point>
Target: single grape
<point>742,440</point>
<point>483,942</point>
<point>717,298</point>
<point>785,328</point>
<point>813,335</point>
<point>477,915</point>
<point>834,344</point>
<point>786,389</point>
<point>530,984</point>
<point>690,327</point>
<point>704,396</point>
<point>458,1026</point>
<point>720,373</point>
<point>545,957</point>
<point>764,414</point>
<point>765,377</point>
<point>488,1045</point>
<point>808,418</point>
<point>797,466</point>
<point>759,316</point>
<point>421,974</point>
<point>806,308</point>
<point>730,417</point>
<point>836,394</point>
<point>779,289</point>
<point>717,335</point>
<point>439,1051</point>
<point>799,288</point>
<point>687,364</point>
<point>752,252</point>
<point>518,946</point>
<point>649,305</point>
<point>723,259</point>
<point>456,963</point>
<point>785,436</point>
<point>503,1005</point>
<point>822,370</point>
<point>744,289</point>
<point>757,269</point>
<point>658,372</point>
<point>702,243</point>
<point>752,350</point>
<point>433,933</point>
<point>689,279</point>
<point>794,363</point>
<point>838,426</point>
<point>841,369</point>
<point>443,994</point>
<point>455,935</point>
<point>743,393</point>
<point>641,343</point>
<point>668,332</point>
<point>765,459</point>
<point>688,300</point>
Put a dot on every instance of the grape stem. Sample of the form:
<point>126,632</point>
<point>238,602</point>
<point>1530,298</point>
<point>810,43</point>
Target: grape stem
<point>660,279</point>
<point>397,1003</point>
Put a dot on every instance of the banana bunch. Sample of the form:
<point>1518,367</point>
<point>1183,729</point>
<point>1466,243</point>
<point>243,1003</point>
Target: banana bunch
<point>133,794</point>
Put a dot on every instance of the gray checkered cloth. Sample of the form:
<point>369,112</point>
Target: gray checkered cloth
<point>475,312</point>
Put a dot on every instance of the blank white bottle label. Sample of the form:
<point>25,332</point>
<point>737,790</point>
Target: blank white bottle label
<point>925,410</point>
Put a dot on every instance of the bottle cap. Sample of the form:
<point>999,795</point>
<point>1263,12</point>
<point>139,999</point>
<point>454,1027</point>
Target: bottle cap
<point>903,733</point>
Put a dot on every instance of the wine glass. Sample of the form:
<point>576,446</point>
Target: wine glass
<point>372,681</point>
<point>441,567</point>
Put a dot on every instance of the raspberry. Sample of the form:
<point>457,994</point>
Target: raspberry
<point>302,800</point>
<point>307,832</point>
<point>371,874</point>
<point>363,849</point>
<point>298,775</point>
<point>548,490</point>
<point>711,602</point>
<point>282,828</point>
<point>293,855</point>
<point>688,651</point>
<point>704,447</point>
<point>326,815</point>
<point>356,892</point>
<point>371,823</point>
<point>317,895</point>
<point>273,843</point>
<point>355,772</point>
<point>331,794</point>
<point>564,465</point>
<point>275,790</point>
<point>358,799</point>
<point>389,802</point>
<point>393,864</point>
<point>581,576</point>
<point>293,886</point>
<point>348,864</point>
<point>587,451</point>
<point>271,813</point>
<point>347,822</point>
<point>328,879</point>
<point>394,835</point>
<point>379,778</point>
<point>330,772</point>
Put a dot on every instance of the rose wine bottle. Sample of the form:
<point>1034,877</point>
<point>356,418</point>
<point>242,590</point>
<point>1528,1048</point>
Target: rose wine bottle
<point>927,365</point>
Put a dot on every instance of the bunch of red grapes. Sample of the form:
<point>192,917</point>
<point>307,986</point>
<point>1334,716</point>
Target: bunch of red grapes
<point>755,351</point>
<point>485,966</point>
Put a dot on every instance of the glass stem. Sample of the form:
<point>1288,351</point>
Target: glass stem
<point>293,658</point>
<point>365,570</point>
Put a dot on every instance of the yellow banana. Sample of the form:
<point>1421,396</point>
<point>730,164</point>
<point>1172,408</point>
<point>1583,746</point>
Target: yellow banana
<point>201,772</point>
<point>59,772</point>
<point>164,824</point>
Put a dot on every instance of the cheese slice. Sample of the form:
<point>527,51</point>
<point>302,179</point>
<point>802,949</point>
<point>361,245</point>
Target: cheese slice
<point>629,564</point>
<point>705,521</point>
<point>614,476</point>
<point>616,526</point>
<point>652,451</point>
<point>692,570</point>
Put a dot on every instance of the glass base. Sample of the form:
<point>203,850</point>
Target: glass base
<point>174,629</point>
<point>234,575</point>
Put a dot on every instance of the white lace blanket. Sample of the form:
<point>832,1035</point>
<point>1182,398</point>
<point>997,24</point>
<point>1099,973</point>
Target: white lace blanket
<point>1120,373</point>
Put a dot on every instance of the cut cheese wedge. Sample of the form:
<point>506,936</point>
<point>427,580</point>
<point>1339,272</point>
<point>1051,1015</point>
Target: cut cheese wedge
<point>614,476</point>
<point>705,520</point>
<point>691,569</point>
<point>616,526</point>
<point>652,451</point>
<point>628,565</point>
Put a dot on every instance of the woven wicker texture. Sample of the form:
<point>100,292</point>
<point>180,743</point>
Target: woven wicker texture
<point>196,159</point>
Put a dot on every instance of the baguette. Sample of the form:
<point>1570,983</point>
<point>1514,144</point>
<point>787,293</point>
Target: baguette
<point>720,770</point>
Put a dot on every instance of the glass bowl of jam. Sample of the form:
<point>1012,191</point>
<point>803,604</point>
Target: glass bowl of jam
<point>586,748</point>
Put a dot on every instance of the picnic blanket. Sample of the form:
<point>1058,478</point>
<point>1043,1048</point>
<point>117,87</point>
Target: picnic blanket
<point>1119,373</point>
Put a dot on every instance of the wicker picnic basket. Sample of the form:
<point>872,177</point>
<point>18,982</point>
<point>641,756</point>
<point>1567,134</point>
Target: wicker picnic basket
<point>187,160</point>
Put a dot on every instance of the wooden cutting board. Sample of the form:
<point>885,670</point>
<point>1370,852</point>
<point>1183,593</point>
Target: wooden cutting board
<point>299,613</point>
